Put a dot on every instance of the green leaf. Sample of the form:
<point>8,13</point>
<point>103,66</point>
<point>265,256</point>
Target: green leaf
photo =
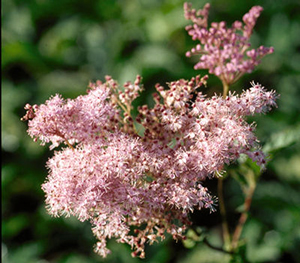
<point>283,139</point>
<point>240,255</point>
<point>193,236</point>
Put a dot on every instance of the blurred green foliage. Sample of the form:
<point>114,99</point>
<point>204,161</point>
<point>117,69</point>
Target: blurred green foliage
<point>53,47</point>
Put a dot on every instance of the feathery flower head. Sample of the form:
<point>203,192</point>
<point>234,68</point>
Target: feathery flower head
<point>71,121</point>
<point>117,179</point>
<point>225,52</point>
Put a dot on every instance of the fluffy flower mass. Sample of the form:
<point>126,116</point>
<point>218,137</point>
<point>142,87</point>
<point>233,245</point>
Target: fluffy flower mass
<point>137,179</point>
<point>225,52</point>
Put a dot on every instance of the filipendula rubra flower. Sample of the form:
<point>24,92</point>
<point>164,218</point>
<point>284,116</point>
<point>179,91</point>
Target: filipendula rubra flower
<point>137,179</point>
<point>225,52</point>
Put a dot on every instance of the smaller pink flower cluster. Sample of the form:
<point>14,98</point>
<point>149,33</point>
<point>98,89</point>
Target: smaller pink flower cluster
<point>224,51</point>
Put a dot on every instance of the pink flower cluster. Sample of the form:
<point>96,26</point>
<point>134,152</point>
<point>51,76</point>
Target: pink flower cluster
<point>72,121</point>
<point>225,52</point>
<point>137,179</point>
<point>118,179</point>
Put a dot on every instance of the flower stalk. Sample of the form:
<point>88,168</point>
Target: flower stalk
<point>225,228</point>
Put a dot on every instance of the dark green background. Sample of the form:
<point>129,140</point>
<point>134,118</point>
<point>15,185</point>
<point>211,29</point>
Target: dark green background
<point>51,46</point>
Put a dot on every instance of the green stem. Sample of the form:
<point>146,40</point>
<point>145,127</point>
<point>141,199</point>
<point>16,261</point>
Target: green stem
<point>225,88</point>
<point>205,241</point>
<point>244,216</point>
<point>225,228</point>
<point>226,234</point>
<point>232,244</point>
